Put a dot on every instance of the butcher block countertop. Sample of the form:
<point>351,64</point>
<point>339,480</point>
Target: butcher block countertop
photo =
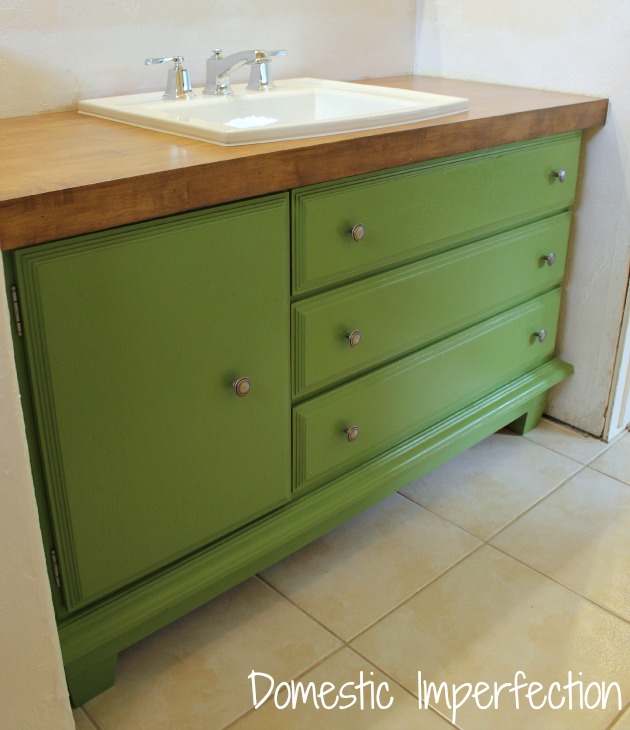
<point>65,173</point>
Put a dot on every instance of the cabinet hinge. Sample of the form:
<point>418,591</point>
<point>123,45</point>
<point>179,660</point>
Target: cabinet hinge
<point>55,567</point>
<point>17,314</point>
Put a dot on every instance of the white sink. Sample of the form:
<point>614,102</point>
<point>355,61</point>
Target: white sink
<point>295,109</point>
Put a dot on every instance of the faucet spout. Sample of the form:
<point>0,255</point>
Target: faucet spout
<point>219,70</point>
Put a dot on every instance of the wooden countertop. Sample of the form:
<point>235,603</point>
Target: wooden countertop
<point>65,173</point>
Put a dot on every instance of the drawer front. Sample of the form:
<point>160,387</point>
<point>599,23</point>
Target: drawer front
<point>400,311</point>
<point>401,399</point>
<point>410,212</point>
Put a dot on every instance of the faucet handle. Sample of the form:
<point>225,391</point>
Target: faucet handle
<point>260,76</point>
<point>178,84</point>
<point>166,59</point>
<point>265,56</point>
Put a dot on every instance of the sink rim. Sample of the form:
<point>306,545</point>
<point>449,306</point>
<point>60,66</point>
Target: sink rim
<point>414,106</point>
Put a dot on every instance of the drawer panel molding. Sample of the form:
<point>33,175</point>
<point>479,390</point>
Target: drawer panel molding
<point>391,404</point>
<point>354,328</point>
<point>345,230</point>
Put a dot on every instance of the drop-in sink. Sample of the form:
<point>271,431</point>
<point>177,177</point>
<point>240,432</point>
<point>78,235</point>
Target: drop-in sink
<point>295,109</point>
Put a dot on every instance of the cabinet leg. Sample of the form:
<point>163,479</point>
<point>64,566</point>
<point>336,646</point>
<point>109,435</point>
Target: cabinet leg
<point>531,418</point>
<point>90,675</point>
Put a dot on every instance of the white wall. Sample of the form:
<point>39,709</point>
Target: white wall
<point>53,53</point>
<point>577,46</point>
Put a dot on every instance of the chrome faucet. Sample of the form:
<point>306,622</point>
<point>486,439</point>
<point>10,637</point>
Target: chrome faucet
<point>219,69</point>
<point>178,84</point>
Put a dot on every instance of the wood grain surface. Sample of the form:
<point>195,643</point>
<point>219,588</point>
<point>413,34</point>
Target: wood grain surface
<point>63,174</point>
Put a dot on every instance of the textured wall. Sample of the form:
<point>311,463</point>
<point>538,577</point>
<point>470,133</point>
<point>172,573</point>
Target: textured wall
<point>574,46</point>
<point>55,52</point>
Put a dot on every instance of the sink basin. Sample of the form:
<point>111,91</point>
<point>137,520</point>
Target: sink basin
<point>295,109</point>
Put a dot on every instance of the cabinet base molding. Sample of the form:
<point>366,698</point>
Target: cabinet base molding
<point>91,639</point>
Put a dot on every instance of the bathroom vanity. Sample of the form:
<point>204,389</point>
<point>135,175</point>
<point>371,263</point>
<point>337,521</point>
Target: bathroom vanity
<point>224,353</point>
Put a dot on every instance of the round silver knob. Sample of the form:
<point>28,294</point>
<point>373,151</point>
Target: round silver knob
<point>357,232</point>
<point>242,386</point>
<point>352,433</point>
<point>561,175</point>
<point>550,259</point>
<point>354,338</point>
<point>541,336</point>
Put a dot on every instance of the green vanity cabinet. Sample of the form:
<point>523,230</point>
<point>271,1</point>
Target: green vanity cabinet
<point>134,339</point>
<point>204,396</point>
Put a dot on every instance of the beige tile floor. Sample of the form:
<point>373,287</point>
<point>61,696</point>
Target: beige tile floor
<point>513,557</point>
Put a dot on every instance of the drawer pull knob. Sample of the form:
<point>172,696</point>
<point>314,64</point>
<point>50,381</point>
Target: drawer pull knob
<point>242,386</point>
<point>352,433</point>
<point>357,232</point>
<point>354,338</point>
<point>541,336</point>
<point>550,259</point>
<point>561,175</point>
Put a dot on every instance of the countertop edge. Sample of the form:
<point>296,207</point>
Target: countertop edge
<point>55,214</point>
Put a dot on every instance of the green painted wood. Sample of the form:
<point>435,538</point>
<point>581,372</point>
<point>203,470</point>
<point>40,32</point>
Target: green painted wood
<point>531,418</point>
<point>165,489</point>
<point>397,400</point>
<point>413,211</point>
<point>147,606</point>
<point>134,338</point>
<point>33,445</point>
<point>404,309</point>
<point>91,674</point>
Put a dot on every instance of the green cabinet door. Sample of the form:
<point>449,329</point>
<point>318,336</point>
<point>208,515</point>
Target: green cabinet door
<point>134,340</point>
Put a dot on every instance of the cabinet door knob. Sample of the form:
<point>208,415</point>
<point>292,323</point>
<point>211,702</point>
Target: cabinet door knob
<point>352,433</point>
<point>354,338</point>
<point>242,386</point>
<point>560,174</point>
<point>550,258</point>
<point>357,232</point>
<point>541,336</point>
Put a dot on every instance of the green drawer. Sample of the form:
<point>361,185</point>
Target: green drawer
<point>403,398</point>
<point>412,211</point>
<point>399,311</point>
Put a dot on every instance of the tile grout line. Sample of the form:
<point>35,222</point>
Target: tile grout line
<point>559,583</point>
<point>416,592</point>
<point>297,676</point>
<point>398,684</point>
<point>618,717</point>
<point>90,719</point>
<point>435,514</point>
<point>571,429</point>
<point>514,519</point>
<point>339,649</point>
<point>538,502</point>
<point>623,482</point>
<point>389,611</point>
<point>300,608</point>
<point>581,432</point>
